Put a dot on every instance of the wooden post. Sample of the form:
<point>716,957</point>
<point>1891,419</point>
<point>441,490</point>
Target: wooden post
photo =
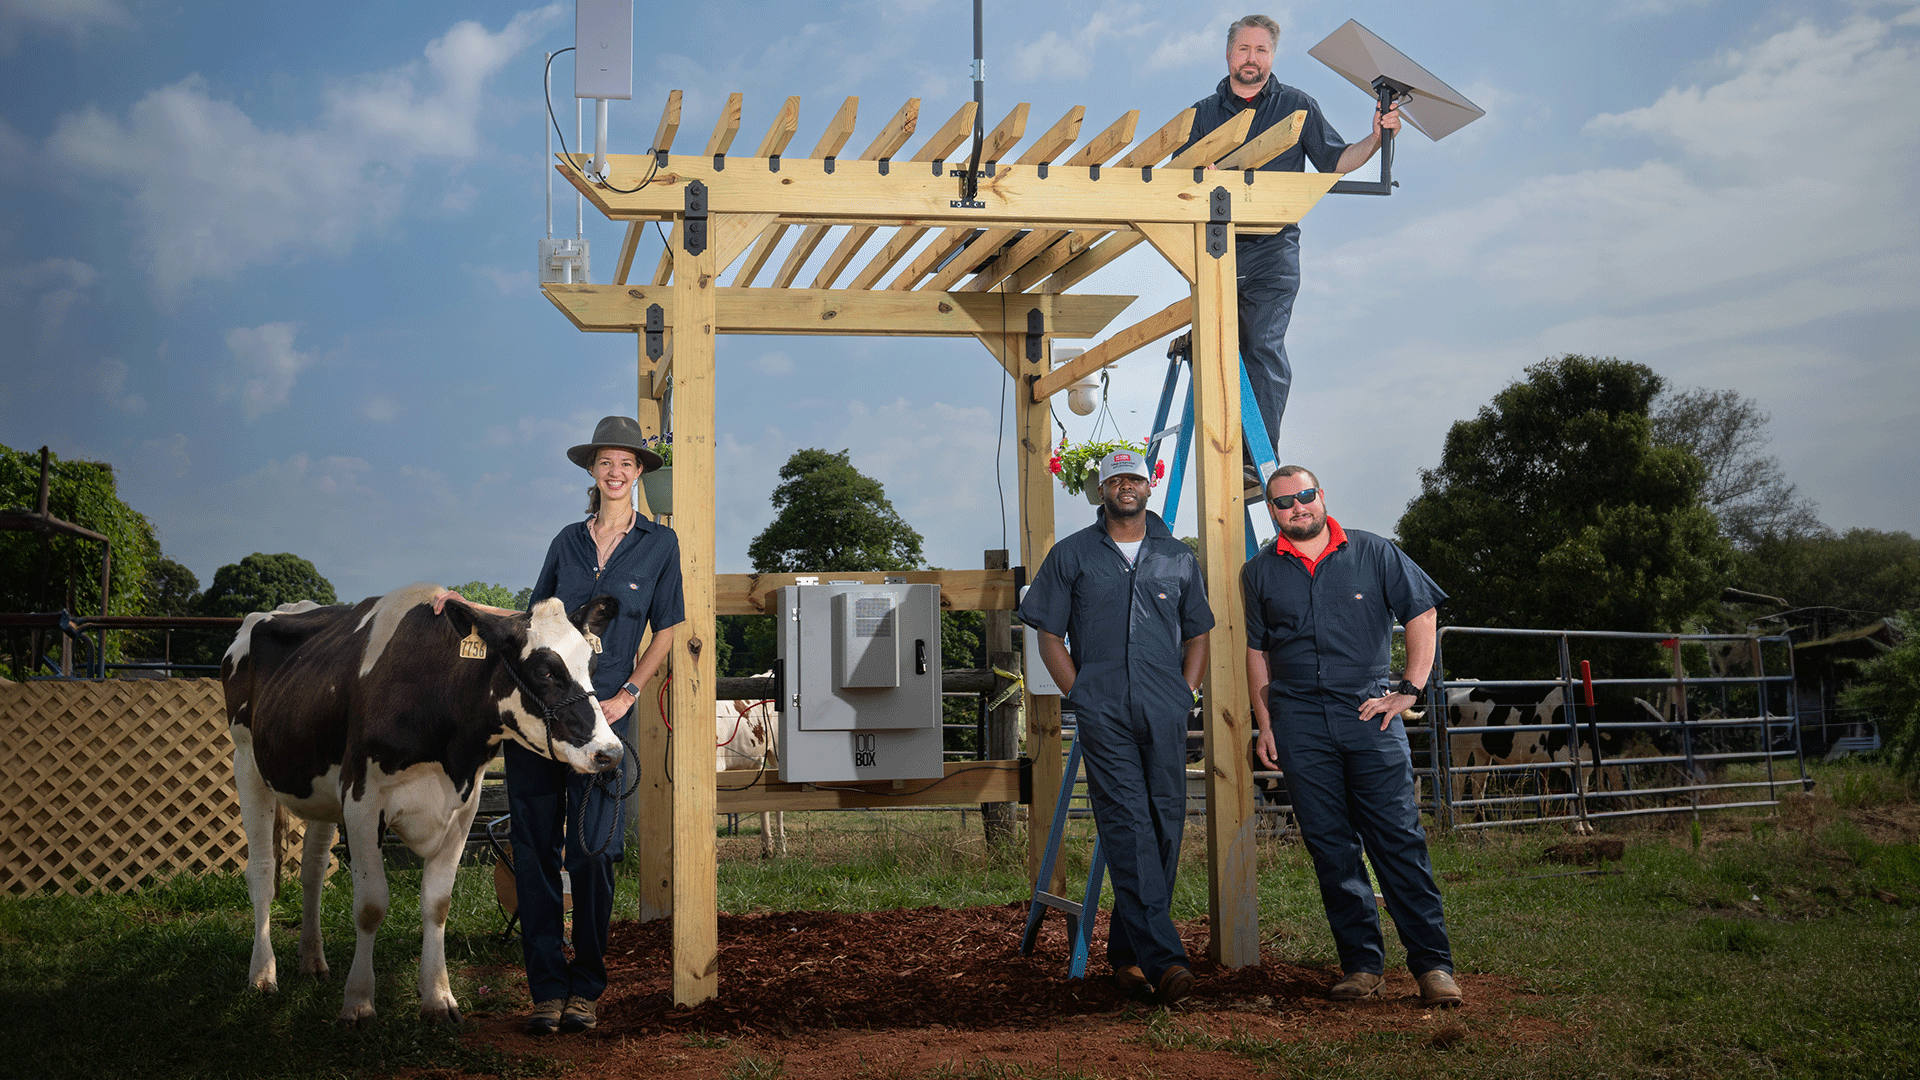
<point>1003,737</point>
<point>696,975</point>
<point>1036,539</point>
<point>652,825</point>
<point>1234,921</point>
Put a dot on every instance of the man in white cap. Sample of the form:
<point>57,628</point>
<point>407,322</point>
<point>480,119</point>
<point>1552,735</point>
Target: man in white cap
<point>1131,599</point>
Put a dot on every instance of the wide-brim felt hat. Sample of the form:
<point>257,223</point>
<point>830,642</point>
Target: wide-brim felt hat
<point>622,432</point>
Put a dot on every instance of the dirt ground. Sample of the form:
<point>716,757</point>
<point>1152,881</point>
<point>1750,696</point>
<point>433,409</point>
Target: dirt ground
<point>902,993</point>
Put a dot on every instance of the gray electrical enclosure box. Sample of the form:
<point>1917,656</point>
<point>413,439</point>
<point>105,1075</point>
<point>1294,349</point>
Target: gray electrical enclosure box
<point>859,694</point>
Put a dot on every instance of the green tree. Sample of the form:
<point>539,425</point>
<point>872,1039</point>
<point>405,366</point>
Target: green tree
<point>829,517</point>
<point>264,582</point>
<point>42,572</point>
<point>1862,570</point>
<point>495,595</point>
<point>172,589</point>
<point>1743,486</point>
<point>1555,508</point>
<point>1889,689</point>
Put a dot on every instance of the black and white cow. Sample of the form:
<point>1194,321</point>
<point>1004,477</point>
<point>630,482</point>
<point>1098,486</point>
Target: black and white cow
<point>1490,709</point>
<point>370,718</point>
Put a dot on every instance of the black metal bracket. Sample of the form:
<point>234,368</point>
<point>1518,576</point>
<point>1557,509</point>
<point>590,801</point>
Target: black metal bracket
<point>828,161</point>
<point>1199,174</point>
<point>1146,174</point>
<point>1094,172</point>
<point>719,163</point>
<point>1385,90</point>
<point>1249,178</point>
<point>939,166</point>
<point>773,162</point>
<point>1026,780</point>
<point>694,229</point>
<point>1219,214</point>
<point>885,164</point>
<point>656,329</point>
<point>1036,333</point>
<point>659,159</point>
<point>1043,169</point>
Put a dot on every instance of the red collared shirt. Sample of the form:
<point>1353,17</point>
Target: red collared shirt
<point>1336,536</point>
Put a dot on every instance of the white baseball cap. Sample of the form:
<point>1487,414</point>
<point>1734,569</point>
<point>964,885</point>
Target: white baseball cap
<point>1124,463</point>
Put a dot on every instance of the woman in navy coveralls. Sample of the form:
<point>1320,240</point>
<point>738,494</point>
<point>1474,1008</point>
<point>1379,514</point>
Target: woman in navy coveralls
<point>563,819</point>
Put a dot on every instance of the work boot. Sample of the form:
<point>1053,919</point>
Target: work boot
<point>580,1015</point>
<point>1175,983</point>
<point>1438,989</point>
<point>545,1018</point>
<point>1357,985</point>
<point>1132,982</point>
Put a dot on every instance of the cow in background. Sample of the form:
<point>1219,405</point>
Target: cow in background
<point>746,736</point>
<point>383,716</point>
<point>1494,708</point>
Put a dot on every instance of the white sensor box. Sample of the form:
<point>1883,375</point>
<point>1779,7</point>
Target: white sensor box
<point>603,49</point>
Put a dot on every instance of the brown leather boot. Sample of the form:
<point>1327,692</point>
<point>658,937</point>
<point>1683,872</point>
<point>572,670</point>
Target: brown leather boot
<point>1438,989</point>
<point>1357,985</point>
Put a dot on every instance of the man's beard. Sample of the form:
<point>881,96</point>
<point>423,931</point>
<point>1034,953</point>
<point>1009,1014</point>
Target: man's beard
<point>1241,79</point>
<point>1298,533</point>
<point>1115,511</point>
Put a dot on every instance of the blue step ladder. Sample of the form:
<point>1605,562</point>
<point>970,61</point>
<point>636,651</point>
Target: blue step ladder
<point>1080,914</point>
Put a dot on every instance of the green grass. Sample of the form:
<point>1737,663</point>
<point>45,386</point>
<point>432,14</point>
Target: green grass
<point>1779,945</point>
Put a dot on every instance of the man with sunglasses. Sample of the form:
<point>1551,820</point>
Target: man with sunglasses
<point>1320,606</point>
<point>1122,617</point>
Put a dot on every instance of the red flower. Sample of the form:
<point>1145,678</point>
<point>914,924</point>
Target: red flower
<point>1053,464</point>
<point>1160,469</point>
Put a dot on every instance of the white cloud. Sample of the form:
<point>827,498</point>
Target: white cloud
<point>111,377</point>
<point>72,19</point>
<point>380,409</point>
<point>60,284</point>
<point>270,363</point>
<point>773,363</point>
<point>332,476</point>
<point>167,457</point>
<point>505,282</point>
<point>211,193</point>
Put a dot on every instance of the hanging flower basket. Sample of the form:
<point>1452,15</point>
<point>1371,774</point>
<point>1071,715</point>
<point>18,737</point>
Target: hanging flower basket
<point>658,484</point>
<point>1077,465</point>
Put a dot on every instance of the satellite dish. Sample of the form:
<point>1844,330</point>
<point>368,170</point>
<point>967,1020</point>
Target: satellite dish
<point>1371,64</point>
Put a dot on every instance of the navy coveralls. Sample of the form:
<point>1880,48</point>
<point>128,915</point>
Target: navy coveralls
<point>548,800</point>
<point>1269,266</point>
<point>1126,625</point>
<point>1327,636</point>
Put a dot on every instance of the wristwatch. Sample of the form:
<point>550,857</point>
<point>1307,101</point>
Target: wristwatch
<point>632,690</point>
<point>1405,686</point>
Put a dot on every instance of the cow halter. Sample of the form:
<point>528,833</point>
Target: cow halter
<point>547,710</point>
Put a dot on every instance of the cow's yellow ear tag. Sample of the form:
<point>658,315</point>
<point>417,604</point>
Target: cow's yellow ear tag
<point>471,647</point>
<point>593,640</point>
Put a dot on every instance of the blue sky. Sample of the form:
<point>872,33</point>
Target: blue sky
<point>275,261</point>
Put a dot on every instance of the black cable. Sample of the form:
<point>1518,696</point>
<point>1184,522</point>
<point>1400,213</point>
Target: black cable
<point>546,91</point>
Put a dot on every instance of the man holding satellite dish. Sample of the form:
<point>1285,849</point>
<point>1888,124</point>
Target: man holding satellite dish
<point>1270,265</point>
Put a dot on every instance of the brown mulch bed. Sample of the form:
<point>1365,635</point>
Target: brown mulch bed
<point>933,989</point>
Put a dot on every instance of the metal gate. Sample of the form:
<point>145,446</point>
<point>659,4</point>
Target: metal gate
<point>1495,759</point>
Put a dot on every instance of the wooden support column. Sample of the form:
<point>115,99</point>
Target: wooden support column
<point>1231,859</point>
<point>696,975</point>
<point>651,822</point>
<point>1036,539</point>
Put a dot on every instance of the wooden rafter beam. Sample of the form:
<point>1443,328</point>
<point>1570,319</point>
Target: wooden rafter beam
<point>960,590</point>
<point>1154,149</point>
<point>909,194</point>
<point>891,138</point>
<point>937,147</point>
<point>1215,144</point>
<point>1095,257</point>
<point>623,309</point>
<point>1132,339</point>
<point>839,130</point>
<point>1267,145</point>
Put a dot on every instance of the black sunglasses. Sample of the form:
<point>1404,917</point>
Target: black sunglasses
<point>1304,495</point>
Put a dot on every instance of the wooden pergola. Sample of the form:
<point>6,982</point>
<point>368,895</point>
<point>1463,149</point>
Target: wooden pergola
<point>909,256</point>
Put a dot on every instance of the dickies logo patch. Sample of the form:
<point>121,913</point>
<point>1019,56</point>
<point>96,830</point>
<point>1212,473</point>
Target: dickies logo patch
<point>635,586</point>
<point>1162,596</point>
<point>1357,596</point>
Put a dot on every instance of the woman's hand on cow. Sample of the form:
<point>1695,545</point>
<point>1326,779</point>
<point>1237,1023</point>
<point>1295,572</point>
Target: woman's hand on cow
<point>616,706</point>
<point>440,599</point>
